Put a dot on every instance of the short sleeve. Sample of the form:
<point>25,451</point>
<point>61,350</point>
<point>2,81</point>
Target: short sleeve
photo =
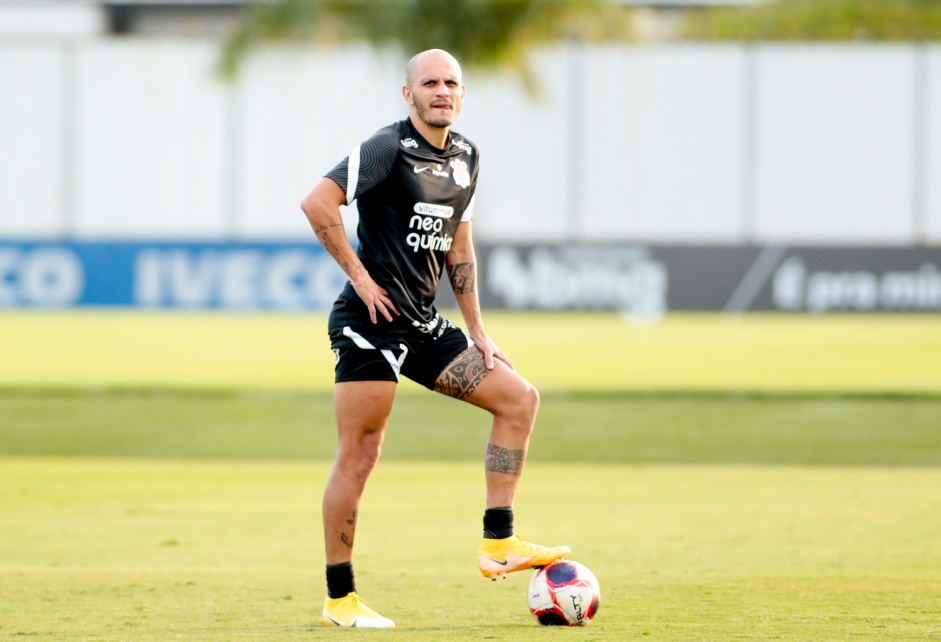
<point>367,165</point>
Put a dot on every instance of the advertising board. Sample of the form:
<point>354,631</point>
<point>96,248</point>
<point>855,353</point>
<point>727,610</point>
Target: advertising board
<point>643,280</point>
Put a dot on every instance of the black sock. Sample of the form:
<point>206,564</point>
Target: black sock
<point>340,580</point>
<point>498,522</point>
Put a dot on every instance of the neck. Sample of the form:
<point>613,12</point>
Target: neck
<point>437,136</point>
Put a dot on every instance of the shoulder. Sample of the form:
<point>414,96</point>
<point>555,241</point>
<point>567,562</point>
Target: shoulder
<point>465,144</point>
<point>386,140</point>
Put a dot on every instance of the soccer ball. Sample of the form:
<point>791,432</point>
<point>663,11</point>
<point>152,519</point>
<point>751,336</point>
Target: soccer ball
<point>565,593</point>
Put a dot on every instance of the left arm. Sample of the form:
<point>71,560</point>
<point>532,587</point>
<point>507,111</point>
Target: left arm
<point>461,263</point>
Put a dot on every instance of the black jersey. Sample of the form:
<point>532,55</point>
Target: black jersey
<point>411,197</point>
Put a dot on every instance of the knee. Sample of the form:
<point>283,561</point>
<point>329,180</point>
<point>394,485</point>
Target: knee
<point>359,457</point>
<point>530,401</point>
<point>525,406</point>
<point>368,456</point>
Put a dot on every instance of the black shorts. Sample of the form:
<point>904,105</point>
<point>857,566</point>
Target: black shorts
<point>369,352</point>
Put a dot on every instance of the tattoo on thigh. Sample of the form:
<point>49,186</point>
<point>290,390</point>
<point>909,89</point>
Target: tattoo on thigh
<point>504,460</point>
<point>462,376</point>
<point>348,539</point>
<point>463,277</point>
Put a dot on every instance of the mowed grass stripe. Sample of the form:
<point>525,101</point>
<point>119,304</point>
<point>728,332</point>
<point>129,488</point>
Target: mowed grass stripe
<point>657,430</point>
<point>193,550</point>
<point>565,351</point>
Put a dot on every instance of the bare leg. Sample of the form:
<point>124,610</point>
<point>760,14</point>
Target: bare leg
<point>512,401</point>
<point>362,411</point>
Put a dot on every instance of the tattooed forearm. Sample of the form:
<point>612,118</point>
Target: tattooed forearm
<point>463,277</point>
<point>320,229</point>
<point>462,376</point>
<point>323,234</point>
<point>504,460</point>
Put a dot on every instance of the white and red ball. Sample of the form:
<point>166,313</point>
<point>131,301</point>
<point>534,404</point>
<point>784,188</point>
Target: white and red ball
<point>565,593</point>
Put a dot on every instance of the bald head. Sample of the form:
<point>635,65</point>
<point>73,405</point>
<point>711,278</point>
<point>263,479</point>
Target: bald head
<point>434,93</point>
<point>433,56</point>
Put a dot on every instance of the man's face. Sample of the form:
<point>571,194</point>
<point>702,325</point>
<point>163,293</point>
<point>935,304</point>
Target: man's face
<point>436,92</point>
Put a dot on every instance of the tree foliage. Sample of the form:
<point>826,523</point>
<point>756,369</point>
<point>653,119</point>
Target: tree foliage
<point>829,20</point>
<point>480,33</point>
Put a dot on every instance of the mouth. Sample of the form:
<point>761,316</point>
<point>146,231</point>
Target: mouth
<point>440,105</point>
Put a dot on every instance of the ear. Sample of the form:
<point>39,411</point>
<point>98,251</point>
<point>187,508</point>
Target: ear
<point>407,94</point>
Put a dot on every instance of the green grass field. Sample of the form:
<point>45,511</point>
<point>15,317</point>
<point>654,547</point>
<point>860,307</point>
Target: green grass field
<point>758,478</point>
<point>558,352</point>
<point>229,550</point>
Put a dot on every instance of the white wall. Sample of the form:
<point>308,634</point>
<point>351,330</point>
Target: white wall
<point>32,199</point>
<point>663,143</point>
<point>119,138</point>
<point>50,19</point>
<point>931,171</point>
<point>296,117</point>
<point>835,143</point>
<point>151,141</point>
<point>523,189</point>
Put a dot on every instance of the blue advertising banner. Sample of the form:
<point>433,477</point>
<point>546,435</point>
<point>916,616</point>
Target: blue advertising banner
<point>645,280</point>
<point>183,275</point>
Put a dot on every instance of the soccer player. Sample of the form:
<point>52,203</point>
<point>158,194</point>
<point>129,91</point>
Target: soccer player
<point>414,182</point>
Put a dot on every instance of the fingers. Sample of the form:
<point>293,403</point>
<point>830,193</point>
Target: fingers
<point>384,304</point>
<point>377,299</point>
<point>498,353</point>
<point>492,353</point>
<point>488,358</point>
<point>385,311</point>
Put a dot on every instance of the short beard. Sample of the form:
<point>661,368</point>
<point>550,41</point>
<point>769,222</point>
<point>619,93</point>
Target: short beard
<point>442,121</point>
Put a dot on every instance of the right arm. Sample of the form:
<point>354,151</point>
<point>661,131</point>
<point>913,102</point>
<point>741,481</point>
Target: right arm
<point>322,208</point>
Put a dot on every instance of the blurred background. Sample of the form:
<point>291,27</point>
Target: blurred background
<point>637,156</point>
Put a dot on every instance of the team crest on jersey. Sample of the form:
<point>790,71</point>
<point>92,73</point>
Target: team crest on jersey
<point>409,142</point>
<point>460,144</point>
<point>460,173</point>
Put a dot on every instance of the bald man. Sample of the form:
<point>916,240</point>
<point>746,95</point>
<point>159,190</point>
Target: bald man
<point>414,182</point>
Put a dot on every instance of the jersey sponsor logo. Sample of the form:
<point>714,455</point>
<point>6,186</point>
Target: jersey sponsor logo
<point>427,209</point>
<point>461,175</point>
<point>444,326</point>
<point>409,142</point>
<point>428,234</point>
<point>429,326</point>
<point>460,144</point>
<point>431,242</point>
<point>437,170</point>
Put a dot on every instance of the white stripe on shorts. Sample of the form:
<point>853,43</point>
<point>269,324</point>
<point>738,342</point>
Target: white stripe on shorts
<point>361,342</point>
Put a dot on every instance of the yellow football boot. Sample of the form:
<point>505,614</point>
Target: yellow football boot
<point>497,557</point>
<point>352,611</point>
